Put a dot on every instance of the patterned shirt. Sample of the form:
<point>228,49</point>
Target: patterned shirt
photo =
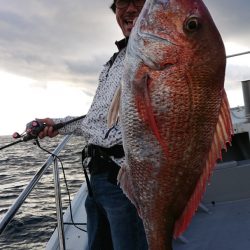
<point>94,126</point>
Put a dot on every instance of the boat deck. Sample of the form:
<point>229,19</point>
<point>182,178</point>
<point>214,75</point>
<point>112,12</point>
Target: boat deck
<point>221,223</point>
<point>225,227</point>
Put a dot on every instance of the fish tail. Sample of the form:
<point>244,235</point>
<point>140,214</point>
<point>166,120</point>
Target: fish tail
<point>222,136</point>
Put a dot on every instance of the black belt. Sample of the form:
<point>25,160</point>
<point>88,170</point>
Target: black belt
<point>101,162</point>
<point>92,151</point>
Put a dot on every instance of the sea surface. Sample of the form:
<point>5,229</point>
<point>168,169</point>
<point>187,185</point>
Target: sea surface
<point>35,221</point>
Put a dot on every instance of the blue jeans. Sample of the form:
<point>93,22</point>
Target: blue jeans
<point>112,220</point>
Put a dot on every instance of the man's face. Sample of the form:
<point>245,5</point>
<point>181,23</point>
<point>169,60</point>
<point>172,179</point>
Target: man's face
<point>126,15</point>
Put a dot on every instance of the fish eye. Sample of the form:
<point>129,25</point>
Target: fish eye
<point>191,24</point>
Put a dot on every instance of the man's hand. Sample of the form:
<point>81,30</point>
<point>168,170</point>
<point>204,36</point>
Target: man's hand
<point>48,130</point>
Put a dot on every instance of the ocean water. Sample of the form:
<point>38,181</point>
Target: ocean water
<point>35,221</point>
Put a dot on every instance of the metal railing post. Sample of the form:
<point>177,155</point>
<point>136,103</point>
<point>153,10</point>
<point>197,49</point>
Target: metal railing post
<point>58,205</point>
<point>4,221</point>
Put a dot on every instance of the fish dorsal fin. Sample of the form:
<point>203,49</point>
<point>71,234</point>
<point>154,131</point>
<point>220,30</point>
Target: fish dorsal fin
<point>113,113</point>
<point>222,136</point>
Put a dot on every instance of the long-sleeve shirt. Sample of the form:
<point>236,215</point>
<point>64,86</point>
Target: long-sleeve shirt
<point>94,126</point>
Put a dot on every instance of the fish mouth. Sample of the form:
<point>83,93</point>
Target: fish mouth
<point>147,30</point>
<point>136,49</point>
<point>154,36</point>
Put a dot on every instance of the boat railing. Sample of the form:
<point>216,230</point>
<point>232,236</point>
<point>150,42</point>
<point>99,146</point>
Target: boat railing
<point>239,54</point>
<point>9,215</point>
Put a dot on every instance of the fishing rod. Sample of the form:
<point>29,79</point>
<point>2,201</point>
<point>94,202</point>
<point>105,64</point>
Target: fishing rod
<point>33,129</point>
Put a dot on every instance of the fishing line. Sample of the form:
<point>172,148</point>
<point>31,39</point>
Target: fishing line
<point>67,188</point>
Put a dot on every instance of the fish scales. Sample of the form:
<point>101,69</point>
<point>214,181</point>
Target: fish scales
<point>174,114</point>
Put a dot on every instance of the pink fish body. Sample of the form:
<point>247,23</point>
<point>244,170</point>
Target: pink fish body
<point>174,114</point>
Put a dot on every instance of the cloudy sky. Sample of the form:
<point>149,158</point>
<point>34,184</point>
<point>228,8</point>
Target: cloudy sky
<point>52,51</point>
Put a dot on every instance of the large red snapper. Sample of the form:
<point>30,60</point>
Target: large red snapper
<point>174,114</point>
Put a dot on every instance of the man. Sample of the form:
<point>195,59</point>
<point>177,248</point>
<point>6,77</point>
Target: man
<point>112,221</point>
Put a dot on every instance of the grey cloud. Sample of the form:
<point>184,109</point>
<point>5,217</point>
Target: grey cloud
<point>91,67</point>
<point>51,39</point>
<point>232,19</point>
<point>71,40</point>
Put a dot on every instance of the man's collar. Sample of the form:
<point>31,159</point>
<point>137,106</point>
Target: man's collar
<point>122,43</point>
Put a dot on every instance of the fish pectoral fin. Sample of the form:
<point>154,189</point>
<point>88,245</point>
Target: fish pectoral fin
<point>222,136</point>
<point>146,109</point>
<point>113,114</point>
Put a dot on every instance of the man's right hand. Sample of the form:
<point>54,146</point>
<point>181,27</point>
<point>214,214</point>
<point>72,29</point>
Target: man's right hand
<point>48,130</point>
